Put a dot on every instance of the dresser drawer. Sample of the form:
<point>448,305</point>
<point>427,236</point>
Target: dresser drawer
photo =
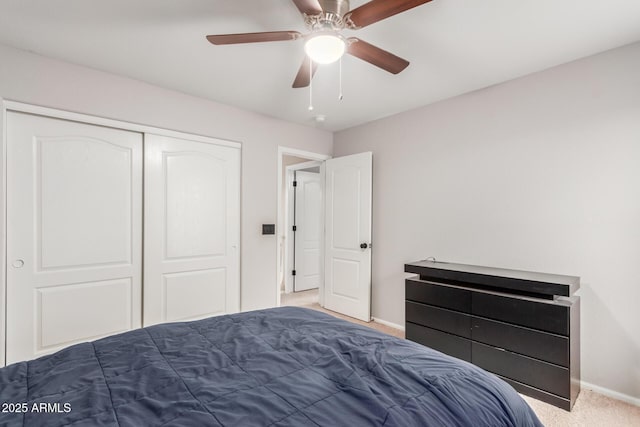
<point>442,319</point>
<point>540,314</point>
<point>536,373</point>
<point>438,295</point>
<point>446,343</point>
<point>529,342</point>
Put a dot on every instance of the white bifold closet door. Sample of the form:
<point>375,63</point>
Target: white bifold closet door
<point>191,230</point>
<point>74,233</point>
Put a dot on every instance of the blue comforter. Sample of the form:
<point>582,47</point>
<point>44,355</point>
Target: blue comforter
<point>282,367</point>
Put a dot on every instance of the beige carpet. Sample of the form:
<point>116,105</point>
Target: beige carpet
<point>591,409</point>
<point>299,298</point>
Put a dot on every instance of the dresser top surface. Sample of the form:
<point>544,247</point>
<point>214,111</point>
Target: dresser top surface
<point>544,283</point>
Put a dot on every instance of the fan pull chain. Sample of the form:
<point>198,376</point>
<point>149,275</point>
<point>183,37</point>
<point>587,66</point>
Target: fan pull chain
<point>340,96</point>
<point>310,84</point>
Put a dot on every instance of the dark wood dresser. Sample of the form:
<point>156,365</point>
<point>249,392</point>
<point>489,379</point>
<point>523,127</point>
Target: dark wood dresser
<point>522,326</point>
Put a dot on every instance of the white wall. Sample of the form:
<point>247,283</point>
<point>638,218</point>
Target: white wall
<point>43,81</point>
<point>542,174</point>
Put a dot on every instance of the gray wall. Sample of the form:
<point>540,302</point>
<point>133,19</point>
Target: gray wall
<point>542,174</point>
<point>43,81</point>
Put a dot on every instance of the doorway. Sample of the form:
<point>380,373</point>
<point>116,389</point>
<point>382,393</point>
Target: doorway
<point>304,232</point>
<point>299,252</point>
<point>336,256</point>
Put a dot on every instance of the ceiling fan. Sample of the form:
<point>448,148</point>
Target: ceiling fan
<point>325,44</point>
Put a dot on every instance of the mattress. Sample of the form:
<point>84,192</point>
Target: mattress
<point>279,367</point>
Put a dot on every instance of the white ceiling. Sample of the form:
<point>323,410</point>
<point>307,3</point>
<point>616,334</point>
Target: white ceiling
<point>455,46</point>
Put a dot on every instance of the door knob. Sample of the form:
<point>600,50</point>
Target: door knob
<point>365,245</point>
<point>18,263</point>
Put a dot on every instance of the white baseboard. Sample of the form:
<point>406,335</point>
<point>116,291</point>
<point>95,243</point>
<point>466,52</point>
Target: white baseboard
<point>610,393</point>
<point>389,324</point>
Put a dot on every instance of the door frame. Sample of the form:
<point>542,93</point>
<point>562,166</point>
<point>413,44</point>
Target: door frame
<point>289,213</point>
<point>9,105</point>
<point>280,225</point>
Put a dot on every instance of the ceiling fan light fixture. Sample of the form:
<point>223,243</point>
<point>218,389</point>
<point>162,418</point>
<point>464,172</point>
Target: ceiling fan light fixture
<point>325,48</point>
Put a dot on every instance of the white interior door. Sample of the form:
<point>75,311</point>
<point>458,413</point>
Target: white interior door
<point>348,235</point>
<point>74,231</point>
<point>192,230</point>
<point>309,231</point>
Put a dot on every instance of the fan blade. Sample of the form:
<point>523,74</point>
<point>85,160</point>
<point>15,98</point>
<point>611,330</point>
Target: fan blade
<point>309,7</point>
<point>376,56</point>
<point>273,36</point>
<point>303,79</point>
<point>377,10</point>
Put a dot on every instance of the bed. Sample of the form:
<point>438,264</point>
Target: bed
<point>286,366</point>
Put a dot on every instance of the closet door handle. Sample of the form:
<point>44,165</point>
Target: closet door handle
<point>18,263</point>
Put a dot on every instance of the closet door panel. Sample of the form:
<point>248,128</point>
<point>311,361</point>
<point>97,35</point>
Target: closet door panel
<point>195,205</point>
<point>206,290</point>
<point>192,230</point>
<point>74,225</point>
<point>98,173</point>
